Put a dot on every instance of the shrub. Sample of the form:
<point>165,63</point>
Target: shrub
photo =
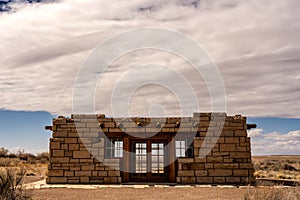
<point>271,191</point>
<point>43,157</point>
<point>3,152</point>
<point>11,187</point>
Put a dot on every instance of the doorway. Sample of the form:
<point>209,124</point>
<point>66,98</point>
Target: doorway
<point>148,161</point>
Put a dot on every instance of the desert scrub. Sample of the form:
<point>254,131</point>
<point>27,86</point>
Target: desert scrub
<point>11,187</point>
<point>271,191</point>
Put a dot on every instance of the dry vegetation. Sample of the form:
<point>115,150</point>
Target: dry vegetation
<point>17,169</point>
<point>277,167</point>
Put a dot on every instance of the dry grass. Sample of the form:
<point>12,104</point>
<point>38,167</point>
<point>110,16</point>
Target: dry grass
<point>277,167</point>
<point>11,184</point>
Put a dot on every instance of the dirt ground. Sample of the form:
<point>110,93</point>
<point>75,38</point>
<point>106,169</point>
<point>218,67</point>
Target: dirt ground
<point>163,193</point>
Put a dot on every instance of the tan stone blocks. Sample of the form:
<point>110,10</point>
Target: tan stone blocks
<point>229,140</point>
<point>56,173</point>
<point>227,133</point>
<point>240,155</point>
<point>186,173</point>
<point>198,143</point>
<point>200,159</point>
<point>185,160</point>
<point>214,159</point>
<point>60,134</point>
<point>58,153</point>
<point>197,166</point>
<point>54,145</point>
<point>220,172</point>
<point>83,173</point>
<point>188,180</point>
<point>236,180</point>
<point>226,165</point>
<point>227,147</point>
<point>240,172</point>
<point>228,160</point>
<point>218,180</point>
<point>240,133</point>
<point>246,165</point>
<point>201,172</point>
<point>57,180</point>
<point>59,160</point>
<point>73,147</point>
<point>81,154</point>
<point>70,140</point>
<point>88,167</point>
<point>110,180</point>
<point>113,173</point>
<point>204,180</point>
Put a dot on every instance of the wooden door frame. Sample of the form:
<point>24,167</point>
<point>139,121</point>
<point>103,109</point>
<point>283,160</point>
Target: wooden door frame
<point>170,155</point>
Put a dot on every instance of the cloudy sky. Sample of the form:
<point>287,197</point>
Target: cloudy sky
<point>254,43</point>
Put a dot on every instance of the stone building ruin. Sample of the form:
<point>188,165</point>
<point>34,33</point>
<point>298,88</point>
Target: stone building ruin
<point>95,149</point>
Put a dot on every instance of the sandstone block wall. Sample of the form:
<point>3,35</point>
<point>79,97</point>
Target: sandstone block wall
<point>218,159</point>
<point>229,157</point>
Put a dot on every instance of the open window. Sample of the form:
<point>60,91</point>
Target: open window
<point>114,148</point>
<point>184,147</point>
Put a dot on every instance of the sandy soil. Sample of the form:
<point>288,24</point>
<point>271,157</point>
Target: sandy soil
<point>158,193</point>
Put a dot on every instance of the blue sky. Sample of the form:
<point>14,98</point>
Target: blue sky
<point>25,130</point>
<point>256,50</point>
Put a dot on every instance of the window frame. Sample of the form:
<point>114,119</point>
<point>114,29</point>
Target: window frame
<point>188,150</point>
<point>110,148</point>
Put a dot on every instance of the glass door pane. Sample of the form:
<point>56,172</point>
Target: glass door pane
<point>141,157</point>
<point>157,158</point>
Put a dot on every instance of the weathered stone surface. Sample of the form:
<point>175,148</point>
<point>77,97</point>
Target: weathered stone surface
<point>186,173</point>
<point>225,158</point>
<point>81,154</point>
<point>220,172</point>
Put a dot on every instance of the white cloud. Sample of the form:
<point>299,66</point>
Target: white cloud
<point>254,43</point>
<point>275,143</point>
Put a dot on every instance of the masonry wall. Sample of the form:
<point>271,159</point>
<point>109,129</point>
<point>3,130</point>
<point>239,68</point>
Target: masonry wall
<point>228,159</point>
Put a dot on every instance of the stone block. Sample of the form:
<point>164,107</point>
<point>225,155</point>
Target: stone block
<point>54,145</point>
<point>234,140</point>
<point>220,172</point>
<point>240,133</point>
<point>214,159</point>
<point>83,173</point>
<point>201,172</point>
<point>188,180</point>
<point>227,147</point>
<point>231,180</point>
<point>58,153</point>
<point>52,180</point>
<point>73,147</point>
<point>186,173</point>
<point>204,180</point>
<point>240,155</point>
<point>59,160</point>
<point>87,167</point>
<point>70,140</point>
<point>110,179</point>
<point>55,173</point>
<point>69,173</point>
<point>240,172</point>
<point>113,173</point>
<point>218,180</point>
<point>81,154</point>
<point>84,179</point>
<point>226,165</point>
<point>102,173</point>
<point>185,160</point>
<point>60,134</point>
